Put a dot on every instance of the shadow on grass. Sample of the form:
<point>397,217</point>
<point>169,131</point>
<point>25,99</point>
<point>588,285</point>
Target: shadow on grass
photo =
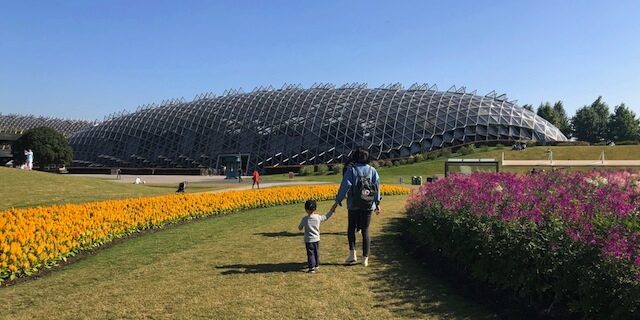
<point>271,267</point>
<point>406,287</point>
<point>294,234</point>
<point>263,268</point>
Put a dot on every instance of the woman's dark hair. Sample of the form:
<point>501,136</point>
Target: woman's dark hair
<point>310,205</point>
<point>360,155</point>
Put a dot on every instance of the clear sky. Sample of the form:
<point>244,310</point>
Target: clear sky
<point>86,59</point>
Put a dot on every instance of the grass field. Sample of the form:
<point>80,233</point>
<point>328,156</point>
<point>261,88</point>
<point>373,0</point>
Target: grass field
<point>436,167</point>
<point>21,188</point>
<point>27,189</point>
<point>247,265</point>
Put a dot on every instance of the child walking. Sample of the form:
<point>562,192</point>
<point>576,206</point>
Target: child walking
<point>311,224</point>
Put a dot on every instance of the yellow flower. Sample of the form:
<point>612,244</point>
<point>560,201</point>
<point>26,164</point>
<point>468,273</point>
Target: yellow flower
<point>48,234</point>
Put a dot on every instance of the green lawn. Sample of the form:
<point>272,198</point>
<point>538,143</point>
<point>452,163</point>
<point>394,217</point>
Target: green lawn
<point>243,266</point>
<point>436,167</point>
<point>21,188</point>
<point>26,189</point>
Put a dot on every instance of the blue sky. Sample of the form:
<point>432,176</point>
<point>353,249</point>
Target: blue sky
<point>86,59</point>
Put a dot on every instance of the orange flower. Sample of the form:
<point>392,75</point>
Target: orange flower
<point>45,235</point>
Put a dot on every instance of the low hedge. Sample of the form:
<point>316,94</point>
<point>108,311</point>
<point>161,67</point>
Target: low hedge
<point>546,263</point>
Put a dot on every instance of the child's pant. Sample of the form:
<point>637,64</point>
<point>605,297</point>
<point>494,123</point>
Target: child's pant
<point>313,254</point>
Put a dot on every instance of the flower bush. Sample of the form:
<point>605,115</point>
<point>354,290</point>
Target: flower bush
<point>34,238</point>
<point>568,242</point>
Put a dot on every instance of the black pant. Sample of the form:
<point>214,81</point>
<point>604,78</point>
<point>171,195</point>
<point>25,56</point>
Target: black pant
<point>313,254</point>
<point>359,219</point>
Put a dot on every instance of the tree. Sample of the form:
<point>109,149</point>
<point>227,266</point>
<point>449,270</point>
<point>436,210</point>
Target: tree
<point>623,124</point>
<point>528,107</point>
<point>602,118</point>
<point>562,120</point>
<point>545,111</point>
<point>591,122</point>
<point>583,124</point>
<point>48,145</point>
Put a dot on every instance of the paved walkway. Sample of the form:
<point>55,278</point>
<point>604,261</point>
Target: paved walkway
<point>174,180</point>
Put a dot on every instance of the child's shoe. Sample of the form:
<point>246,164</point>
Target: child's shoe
<point>365,261</point>
<point>311,271</point>
<point>352,258</point>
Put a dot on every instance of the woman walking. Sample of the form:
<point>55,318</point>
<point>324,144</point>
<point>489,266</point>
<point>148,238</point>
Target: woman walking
<point>361,185</point>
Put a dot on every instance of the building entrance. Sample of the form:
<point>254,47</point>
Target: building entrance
<point>229,164</point>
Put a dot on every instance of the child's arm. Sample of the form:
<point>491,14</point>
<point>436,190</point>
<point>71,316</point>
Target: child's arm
<point>300,226</point>
<point>326,216</point>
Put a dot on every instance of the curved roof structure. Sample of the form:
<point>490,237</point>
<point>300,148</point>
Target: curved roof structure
<point>18,124</point>
<point>296,126</point>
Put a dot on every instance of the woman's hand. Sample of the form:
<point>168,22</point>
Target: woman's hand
<point>378,209</point>
<point>333,207</point>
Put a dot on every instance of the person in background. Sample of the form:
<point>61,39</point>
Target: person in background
<point>255,176</point>
<point>29,154</point>
<point>239,175</point>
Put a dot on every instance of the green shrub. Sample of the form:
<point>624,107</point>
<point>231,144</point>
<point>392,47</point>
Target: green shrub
<point>628,142</point>
<point>515,260</point>
<point>467,150</point>
<point>322,169</point>
<point>445,152</point>
<point>573,144</point>
<point>396,163</point>
<point>403,161</point>
<point>419,157</point>
<point>411,159</point>
<point>499,146</point>
<point>388,163</point>
<point>306,171</point>
<point>337,168</point>
<point>49,146</point>
<point>434,154</point>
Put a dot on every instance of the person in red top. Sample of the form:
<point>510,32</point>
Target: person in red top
<point>256,179</point>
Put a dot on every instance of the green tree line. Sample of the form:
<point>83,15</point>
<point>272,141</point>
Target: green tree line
<point>592,123</point>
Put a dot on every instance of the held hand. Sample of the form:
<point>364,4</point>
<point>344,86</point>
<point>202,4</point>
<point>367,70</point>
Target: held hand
<point>377,209</point>
<point>333,207</point>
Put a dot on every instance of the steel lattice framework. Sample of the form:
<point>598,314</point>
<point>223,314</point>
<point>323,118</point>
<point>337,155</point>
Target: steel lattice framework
<point>296,126</point>
<point>17,124</point>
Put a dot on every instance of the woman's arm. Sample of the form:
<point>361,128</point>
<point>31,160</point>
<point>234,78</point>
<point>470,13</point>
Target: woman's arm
<point>345,186</point>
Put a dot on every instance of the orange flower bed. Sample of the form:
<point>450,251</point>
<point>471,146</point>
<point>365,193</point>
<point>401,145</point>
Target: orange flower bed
<point>33,238</point>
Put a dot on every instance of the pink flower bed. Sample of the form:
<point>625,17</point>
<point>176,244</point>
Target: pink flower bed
<point>599,208</point>
<point>565,242</point>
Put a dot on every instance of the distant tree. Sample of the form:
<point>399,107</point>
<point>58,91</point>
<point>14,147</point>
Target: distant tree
<point>48,145</point>
<point>591,122</point>
<point>528,107</point>
<point>545,111</point>
<point>562,120</point>
<point>623,124</point>
<point>583,124</point>
<point>602,118</point>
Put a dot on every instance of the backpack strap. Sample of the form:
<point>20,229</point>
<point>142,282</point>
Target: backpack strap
<point>366,173</point>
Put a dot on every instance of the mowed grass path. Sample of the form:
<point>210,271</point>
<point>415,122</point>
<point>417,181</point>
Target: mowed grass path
<point>20,189</point>
<point>246,265</point>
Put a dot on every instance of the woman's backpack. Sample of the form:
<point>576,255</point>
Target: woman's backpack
<point>363,193</point>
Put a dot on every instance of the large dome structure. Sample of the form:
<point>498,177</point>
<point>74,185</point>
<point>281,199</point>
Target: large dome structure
<point>295,126</point>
